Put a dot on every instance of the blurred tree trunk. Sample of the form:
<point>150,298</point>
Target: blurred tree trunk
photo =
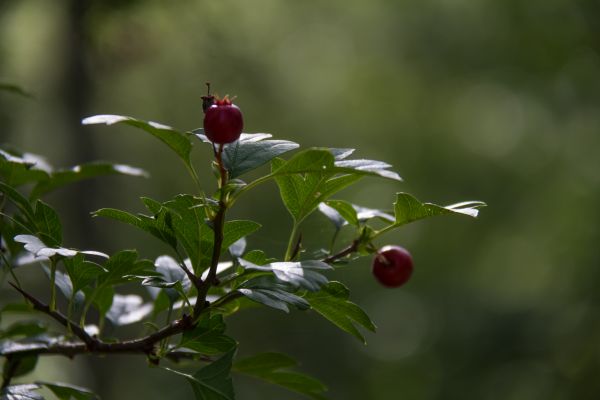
<point>77,91</point>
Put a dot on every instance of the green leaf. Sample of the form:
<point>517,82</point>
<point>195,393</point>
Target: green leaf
<point>15,367</point>
<point>275,368</point>
<point>365,214</point>
<point>345,209</point>
<point>208,337</point>
<point>23,328</point>
<point>299,274</point>
<point>81,272</point>
<point>212,382</point>
<point>158,226</point>
<point>23,168</point>
<point>257,257</point>
<point>252,151</point>
<point>332,303</point>
<point>236,230</point>
<point>102,297</point>
<point>48,223</point>
<point>21,392</point>
<point>188,219</point>
<point>122,264</point>
<point>314,175</point>
<point>408,209</point>
<point>323,161</point>
<point>21,202</point>
<point>78,173</point>
<point>65,391</point>
<point>177,141</point>
<point>302,193</point>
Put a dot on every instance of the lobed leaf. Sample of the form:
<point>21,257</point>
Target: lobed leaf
<point>82,273</point>
<point>312,176</point>
<point>123,264</point>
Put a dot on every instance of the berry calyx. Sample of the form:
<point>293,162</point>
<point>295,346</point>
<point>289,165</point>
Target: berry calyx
<point>392,266</point>
<point>223,122</point>
<point>207,100</point>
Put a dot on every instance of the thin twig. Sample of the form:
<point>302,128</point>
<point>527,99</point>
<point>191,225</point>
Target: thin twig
<point>93,345</point>
<point>57,316</point>
<point>342,253</point>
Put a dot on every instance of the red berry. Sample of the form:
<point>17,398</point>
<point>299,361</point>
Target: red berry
<point>223,122</point>
<point>392,266</point>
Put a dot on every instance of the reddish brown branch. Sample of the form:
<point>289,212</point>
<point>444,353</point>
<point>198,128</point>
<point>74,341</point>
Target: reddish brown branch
<point>218,226</point>
<point>342,253</point>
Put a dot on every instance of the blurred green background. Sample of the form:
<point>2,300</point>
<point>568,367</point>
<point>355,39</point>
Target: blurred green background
<point>489,100</point>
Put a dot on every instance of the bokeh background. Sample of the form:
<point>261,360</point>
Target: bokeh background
<point>490,100</point>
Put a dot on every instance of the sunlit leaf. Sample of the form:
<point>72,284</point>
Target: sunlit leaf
<point>39,249</point>
<point>128,309</point>
<point>21,392</point>
<point>17,170</point>
<point>300,274</point>
<point>408,209</point>
<point>177,141</point>
<point>252,151</point>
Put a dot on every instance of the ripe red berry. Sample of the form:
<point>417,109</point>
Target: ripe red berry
<point>392,266</point>
<point>223,122</point>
